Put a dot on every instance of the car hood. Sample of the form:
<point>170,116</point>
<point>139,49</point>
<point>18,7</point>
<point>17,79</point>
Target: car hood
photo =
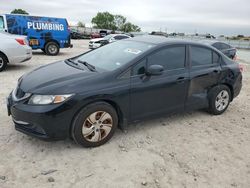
<point>56,78</point>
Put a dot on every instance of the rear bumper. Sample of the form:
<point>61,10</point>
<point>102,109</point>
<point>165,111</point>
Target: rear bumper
<point>25,56</point>
<point>237,86</point>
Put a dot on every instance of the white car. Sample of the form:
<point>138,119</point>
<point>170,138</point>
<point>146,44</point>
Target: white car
<point>13,49</point>
<point>96,43</point>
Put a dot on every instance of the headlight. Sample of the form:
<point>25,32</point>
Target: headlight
<point>48,99</point>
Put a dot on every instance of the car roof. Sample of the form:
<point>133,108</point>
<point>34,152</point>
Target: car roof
<point>161,40</point>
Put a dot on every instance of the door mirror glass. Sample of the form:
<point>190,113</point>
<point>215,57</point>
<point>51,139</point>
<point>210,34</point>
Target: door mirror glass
<point>155,70</point>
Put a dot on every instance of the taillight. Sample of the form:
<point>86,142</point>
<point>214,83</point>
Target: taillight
<point>241,67</point>
<point>21,41</point>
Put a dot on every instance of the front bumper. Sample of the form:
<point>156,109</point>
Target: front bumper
<point>48,122</point>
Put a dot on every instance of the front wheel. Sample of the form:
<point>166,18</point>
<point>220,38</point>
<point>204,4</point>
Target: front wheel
<point>94,125</point>
<point>52,48</point>
<point>219,99</point>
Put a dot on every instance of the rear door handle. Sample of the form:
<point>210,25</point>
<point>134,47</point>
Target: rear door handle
<point>180,79</point>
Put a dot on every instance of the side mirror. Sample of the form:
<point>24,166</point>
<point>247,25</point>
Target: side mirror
<point>154,70</point>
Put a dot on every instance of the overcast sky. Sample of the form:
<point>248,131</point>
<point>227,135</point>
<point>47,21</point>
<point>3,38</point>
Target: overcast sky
<point>229,17</point>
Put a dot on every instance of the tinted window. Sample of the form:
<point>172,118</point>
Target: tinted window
<point>1,23</point>
<point>114,55</point>
<point>120,37</point>
<point>140,68</point>
<point>170,58</point>
<point>200,56</point>
<point>216,58</point>
<point>217,45</point>
<point>224,46</point>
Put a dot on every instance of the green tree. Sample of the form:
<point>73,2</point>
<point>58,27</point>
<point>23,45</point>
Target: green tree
<point>129,27</point>
<point>119,21</point>
<point>104,20</point>
<point>19,11</point>
<point>80,24</point>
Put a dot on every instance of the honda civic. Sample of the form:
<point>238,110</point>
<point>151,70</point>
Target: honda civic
<point>89,96</point>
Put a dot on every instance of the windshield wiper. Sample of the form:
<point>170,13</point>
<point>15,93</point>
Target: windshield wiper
<point>89,66</point>
<point>74,64</point>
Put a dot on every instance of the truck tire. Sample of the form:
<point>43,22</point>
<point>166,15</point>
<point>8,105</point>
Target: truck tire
<point>52,48</point>
<point>3,62</point>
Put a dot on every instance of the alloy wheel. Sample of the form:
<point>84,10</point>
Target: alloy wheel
<point>222,100</point>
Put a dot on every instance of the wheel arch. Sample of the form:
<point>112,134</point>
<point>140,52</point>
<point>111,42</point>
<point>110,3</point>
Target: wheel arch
<point>231,90</point>
<point>4,56</point>
<point>225,84</point>
<point>51,40</point>
<point>121,120</point>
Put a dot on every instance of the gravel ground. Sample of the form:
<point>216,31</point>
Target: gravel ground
<point>192,149</point>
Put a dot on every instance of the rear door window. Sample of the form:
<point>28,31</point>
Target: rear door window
<point>201,56</point>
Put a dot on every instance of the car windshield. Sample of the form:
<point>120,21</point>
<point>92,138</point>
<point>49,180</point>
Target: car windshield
<point>107,37</point>
<point>114,55</point>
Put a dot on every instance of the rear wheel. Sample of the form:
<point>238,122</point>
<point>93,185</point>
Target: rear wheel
<point>3,62</point>
<point>95,124</point>
<point>219,100</point>
<point>52,48</point>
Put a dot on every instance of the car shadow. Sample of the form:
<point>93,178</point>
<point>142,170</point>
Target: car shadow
<point>121,134</point>
<point>16,67</point>
<point>35,53</point>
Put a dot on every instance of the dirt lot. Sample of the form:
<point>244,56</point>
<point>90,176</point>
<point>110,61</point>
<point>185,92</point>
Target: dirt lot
<point>187,150</point>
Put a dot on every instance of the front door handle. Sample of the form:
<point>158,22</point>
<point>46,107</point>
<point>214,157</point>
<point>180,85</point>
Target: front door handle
<point>216,71</point>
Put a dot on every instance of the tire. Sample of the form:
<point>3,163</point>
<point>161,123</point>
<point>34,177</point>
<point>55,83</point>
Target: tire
<point>52,48</point>
<point>219,99</point>
<point>3,62</point>
<point>88,128</point>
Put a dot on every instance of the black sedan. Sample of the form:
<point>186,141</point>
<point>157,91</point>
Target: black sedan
<point>87,97</point>
<point>225,48</point>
